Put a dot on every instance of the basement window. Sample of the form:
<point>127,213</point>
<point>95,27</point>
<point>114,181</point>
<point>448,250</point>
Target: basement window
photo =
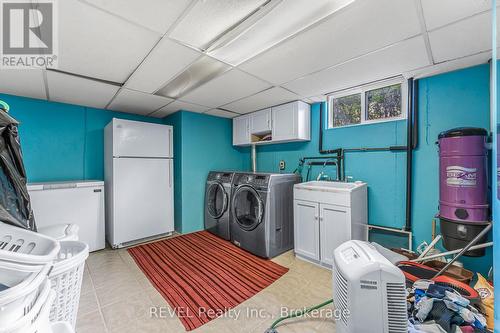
<point>378,102</point>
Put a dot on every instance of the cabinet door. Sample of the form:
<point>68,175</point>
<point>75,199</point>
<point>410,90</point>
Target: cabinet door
<point>284,122</point>
<point>306,233</point>
<point>261,122</point>
<point>241,133</point>
<point>334,230</point>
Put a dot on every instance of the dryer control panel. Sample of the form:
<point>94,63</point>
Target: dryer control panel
<point>223,177</point>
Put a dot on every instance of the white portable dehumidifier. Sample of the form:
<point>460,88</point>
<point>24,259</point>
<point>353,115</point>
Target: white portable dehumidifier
<point>369,292</point>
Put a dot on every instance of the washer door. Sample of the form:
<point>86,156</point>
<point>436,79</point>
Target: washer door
<point>217,200</point>
<point>248,208</point>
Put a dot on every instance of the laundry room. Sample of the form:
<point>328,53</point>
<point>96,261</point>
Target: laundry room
<point>254,166</point>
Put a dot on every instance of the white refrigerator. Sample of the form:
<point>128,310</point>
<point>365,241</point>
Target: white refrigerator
<point>139,181</point>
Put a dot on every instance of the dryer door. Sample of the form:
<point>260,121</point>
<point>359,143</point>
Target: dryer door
<point>217,200</point>
<point>248,207</point>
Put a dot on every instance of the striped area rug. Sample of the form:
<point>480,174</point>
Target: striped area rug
<point>201,276</point>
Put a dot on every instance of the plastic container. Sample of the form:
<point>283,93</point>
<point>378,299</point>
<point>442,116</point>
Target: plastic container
<point>37,319</point>
<point>463,174</point>
<point>66,279</point>
<point>24,284</point>
<point>62,327</point>
<point>27,247</point>
<point>61,232</point>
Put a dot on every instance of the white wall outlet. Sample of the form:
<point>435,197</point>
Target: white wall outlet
<point>282,165</point>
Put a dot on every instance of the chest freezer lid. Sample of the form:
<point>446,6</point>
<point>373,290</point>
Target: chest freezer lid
<point>64,184</point>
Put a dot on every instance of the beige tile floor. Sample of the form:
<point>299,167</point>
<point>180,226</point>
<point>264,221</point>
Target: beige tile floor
<point>117,297</point>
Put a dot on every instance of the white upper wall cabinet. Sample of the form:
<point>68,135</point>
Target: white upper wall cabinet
<point>292,122</point>
<point>261,122</point>
<point>241,131</point>
<point>283,123</point>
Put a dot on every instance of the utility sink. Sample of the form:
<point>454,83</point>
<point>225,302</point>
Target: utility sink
<point>330,186</point>
<point>327,214</point>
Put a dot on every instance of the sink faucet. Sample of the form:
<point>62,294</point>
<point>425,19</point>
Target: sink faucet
<point>348,178</point>
<point>322,175</point>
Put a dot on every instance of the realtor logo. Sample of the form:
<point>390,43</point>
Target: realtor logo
<point>28,34</point>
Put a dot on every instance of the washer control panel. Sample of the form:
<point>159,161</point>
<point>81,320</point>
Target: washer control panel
<point>257,180</point>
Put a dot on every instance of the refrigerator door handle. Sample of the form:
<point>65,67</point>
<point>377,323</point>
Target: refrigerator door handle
<point>170,173</point>
<point>169,143</point>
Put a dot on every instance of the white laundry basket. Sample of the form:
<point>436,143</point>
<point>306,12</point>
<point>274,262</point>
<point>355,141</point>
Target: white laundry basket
<point>27,247</point>
<point>61,232</point>
<point>23,285</point>
<point>62,327</point>
<point>37,319</point>
<point>66,278</point>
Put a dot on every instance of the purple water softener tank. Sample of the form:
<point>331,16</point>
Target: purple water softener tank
<point>463,174</point>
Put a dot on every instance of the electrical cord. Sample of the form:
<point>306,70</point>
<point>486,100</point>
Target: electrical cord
<point>272,329</point>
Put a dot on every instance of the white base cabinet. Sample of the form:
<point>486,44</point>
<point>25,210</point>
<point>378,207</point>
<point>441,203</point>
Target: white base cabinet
<point>324,219</point>
<point>306,215</point>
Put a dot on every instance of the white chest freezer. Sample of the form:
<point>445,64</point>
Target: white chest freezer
<point>79,202</point>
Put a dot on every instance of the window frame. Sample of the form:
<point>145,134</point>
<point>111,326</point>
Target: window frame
<point>362,91</point>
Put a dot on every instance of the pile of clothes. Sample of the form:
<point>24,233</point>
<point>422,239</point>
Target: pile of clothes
<point>437,308</point>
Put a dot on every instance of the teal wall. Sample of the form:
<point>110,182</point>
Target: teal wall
<point>384,171</point>
<point>62,141</point>
<point>65,142</point>
<point>454,99</point>
<point>203,143</point>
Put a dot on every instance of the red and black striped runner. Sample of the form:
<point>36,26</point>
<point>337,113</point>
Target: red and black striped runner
<point>201,276</point>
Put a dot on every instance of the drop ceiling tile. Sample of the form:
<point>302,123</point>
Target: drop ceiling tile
<point>390,61</point>
<point>75,90</point>
<point>228,87</point>
<point>158,115</point>
<point>137,102</point>
<point>317,99</point>
<point>463,38</point>
<point>23,82</point>
<point>207,20</point>
<point>261,100</point>
<point>166,60</point>
<point>452,65</point>
<point>283,21</point>
<point>97,44</point>
<point>179,105</point>
<point>222,113</point>
<point>442,12</point>
<point>157,15</point>
<point>348,33</point>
